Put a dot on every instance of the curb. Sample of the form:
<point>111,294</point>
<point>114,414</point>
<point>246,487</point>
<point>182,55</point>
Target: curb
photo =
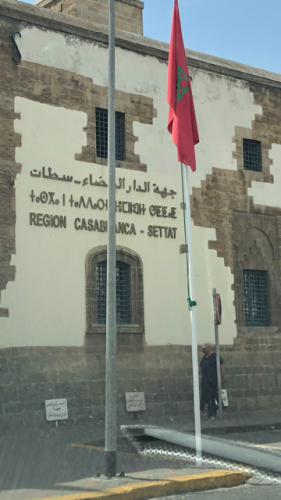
<point>235,429</point>
<point>227,428</point>
<point>170,486</point>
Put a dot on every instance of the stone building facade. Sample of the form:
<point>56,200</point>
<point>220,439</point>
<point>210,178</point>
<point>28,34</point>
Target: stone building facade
<point>53,173</point>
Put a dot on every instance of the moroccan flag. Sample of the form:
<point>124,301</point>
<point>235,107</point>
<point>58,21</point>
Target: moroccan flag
<point>182,120</point>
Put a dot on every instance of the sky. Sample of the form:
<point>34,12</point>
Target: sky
<point>246,31</point>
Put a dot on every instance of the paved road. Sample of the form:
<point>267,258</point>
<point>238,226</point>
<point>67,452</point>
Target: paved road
<point>36,465</point>
<point>243,493</point>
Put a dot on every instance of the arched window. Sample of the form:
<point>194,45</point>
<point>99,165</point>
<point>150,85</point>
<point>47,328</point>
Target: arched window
<point>256,283</point>
<point>129,291</point>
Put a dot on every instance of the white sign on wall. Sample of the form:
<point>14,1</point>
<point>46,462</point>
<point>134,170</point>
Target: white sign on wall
<point>56,409</point>
<point>135,401</point>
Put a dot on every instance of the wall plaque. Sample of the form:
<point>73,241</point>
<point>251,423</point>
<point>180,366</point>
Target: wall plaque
<point>135,401</point>
<point>56,409</point>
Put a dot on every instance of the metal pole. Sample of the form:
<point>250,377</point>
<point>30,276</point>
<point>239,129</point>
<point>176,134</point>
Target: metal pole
<point>195,367</point>
<point>217,354</point>
<point>110,395</point>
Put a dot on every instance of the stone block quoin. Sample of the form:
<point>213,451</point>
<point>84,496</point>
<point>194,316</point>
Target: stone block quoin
<point>128,13</point>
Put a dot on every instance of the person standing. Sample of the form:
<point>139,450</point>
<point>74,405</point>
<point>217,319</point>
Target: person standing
<point>208,368</point>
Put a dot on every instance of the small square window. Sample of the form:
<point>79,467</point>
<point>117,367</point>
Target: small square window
<point>256,298</point>
<point>102,134</point>
<point>252,155</point>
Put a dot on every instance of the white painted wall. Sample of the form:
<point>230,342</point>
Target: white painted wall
<point>47,299</point>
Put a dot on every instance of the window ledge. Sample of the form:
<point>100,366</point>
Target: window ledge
<point>257,331</point>
<point>120,329</point>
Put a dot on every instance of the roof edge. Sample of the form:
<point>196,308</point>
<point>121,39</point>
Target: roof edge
<point>56,21</point>
<point>133,3</point>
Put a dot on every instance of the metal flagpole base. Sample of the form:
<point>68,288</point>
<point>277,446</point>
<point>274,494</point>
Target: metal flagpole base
<point>110,463</point>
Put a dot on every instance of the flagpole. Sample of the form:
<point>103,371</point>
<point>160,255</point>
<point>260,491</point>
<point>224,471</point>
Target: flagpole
<point>110,391</point>
<point>195,368</point>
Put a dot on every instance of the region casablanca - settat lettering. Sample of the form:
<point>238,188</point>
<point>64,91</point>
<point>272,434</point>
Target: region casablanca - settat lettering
<point>60,221</point>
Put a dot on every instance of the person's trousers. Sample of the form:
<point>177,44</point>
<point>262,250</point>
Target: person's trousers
<point>208,396</point>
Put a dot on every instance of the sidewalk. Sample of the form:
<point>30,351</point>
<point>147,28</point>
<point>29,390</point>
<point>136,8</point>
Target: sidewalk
<point>230,423</point>
<point>239,422</point>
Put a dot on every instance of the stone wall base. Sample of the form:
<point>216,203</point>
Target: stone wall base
<point>29,376</point>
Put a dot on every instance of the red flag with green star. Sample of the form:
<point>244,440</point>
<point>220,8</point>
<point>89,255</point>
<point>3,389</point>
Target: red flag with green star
<point>182,120</point>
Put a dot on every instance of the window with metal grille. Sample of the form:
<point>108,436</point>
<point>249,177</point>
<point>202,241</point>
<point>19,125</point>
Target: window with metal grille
<point>102,134</point>
<point>252,155</point>
<point>256,298</point>
<point>123,293</point>
<point>120,136</point>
